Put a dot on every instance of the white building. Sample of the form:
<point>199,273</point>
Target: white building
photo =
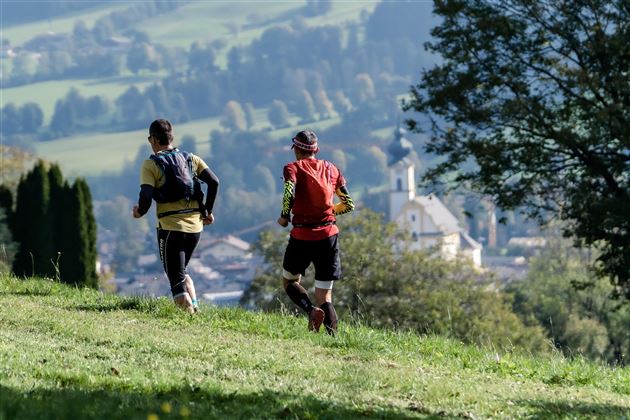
<point>427,219</point>
<point>227,248</point>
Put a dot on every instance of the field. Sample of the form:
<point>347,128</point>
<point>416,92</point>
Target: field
<point>71,353</point>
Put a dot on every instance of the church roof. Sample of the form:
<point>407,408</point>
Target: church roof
<point>467,241</point>
<point>439,213</point>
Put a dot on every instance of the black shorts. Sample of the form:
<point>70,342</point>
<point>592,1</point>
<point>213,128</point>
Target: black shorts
<point>324,254</point>
<point>176,248</point>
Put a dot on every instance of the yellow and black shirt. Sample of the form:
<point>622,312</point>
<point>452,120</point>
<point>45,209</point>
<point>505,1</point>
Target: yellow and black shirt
<point>150,174</point>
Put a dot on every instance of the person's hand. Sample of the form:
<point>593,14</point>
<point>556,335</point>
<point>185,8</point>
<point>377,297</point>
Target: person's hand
<point>136,213</point>
<point>283,221</point>
<point>209,219</point>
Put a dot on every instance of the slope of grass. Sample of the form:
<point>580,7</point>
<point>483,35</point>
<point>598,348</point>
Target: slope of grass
<point>69,353</point>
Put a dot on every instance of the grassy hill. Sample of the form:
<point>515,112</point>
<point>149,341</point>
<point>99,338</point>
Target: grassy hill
<point>70,353</point>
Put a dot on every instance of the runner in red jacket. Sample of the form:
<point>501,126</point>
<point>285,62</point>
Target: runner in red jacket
<point>309,187</point>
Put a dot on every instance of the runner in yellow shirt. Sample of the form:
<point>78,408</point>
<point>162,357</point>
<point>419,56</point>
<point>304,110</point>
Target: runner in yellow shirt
<point>180,220</point>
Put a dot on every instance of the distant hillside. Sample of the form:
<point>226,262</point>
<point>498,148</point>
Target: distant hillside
<point>68,353</point>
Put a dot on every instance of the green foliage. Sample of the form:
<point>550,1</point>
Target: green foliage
<point>67,352</point>
<point>278,114</point>
<point>530,106</point>
<point>390,287</point>
<point>573,305</point>
<point>55,228</point>
<point>79,262</point>
<point>31,227</point>
<point>234,117</point>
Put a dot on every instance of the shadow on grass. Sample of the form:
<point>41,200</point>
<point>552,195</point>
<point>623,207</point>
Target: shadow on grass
<point>26,292</point>
<point>185,402</point>
<point>125,304</point>
<point>567,409</point>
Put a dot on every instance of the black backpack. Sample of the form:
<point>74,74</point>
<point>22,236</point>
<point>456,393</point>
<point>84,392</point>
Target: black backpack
<point>180,182</point>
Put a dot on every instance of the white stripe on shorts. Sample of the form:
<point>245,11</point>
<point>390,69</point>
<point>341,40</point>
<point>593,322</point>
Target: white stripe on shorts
<point>327,285</point>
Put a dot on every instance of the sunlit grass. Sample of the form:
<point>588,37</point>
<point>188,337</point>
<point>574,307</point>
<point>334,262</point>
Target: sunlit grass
<point>67,353</point>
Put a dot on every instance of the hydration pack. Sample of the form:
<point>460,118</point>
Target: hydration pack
<point>180,182</point>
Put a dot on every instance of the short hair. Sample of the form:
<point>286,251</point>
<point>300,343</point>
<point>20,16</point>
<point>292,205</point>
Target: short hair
<point>162,130</point>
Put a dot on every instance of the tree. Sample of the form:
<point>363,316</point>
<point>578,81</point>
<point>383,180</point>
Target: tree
<point>129,104</point>
<point>31,117</point>
<point>55,228</point>
<point>364,88</point>
<point>305,107</point>
<point>530,105</point>
<point>15,162</point>
<point>188,143</point>
<point>140,57</point>
<point>405,290</point>
<point>572,304</point>
<point>233,117</point>
<point>278,114</point>
<point>341,101</point>
<point>250,116</point>
<point>31,227</point>
<point>201,60</point>
<point>64,118</point>
<point>78,255</point>
<point>323,104</point>
<point>10,119</point>
<point>7,246</point>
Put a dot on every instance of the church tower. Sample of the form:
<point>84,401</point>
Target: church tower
<point>402,185</point>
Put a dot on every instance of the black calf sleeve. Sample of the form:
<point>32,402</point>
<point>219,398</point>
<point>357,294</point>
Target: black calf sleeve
<point>330,318</point>
<point>299,296</point>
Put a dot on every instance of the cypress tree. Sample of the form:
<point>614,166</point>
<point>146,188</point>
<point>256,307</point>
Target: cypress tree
<point>31,227</point>
<point>79,247</point>
<point>58,206</point>
<point>7,246</point>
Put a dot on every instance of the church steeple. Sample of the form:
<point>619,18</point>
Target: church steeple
<point>400,147</point>
<point>402,187</point>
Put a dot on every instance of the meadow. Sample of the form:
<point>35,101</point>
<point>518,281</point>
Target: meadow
<point>72,353</point>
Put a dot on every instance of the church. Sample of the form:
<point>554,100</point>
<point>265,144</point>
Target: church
<point>428,220</point>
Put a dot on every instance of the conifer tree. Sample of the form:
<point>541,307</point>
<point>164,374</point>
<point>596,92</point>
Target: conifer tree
<point>30,225</point>
<point>58,207</point>
<point>7,246</point>
<point>78,264</point>
<point>6,201</point>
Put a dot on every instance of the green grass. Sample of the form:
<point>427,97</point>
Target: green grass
<point>70,353</point>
